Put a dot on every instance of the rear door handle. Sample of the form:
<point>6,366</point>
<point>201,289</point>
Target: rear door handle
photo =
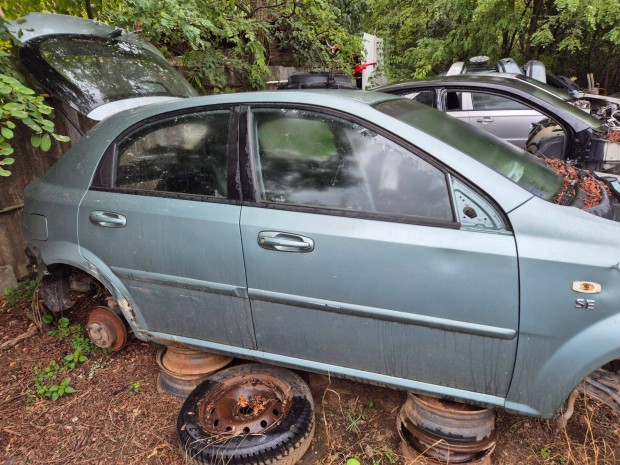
<point>107,219</point>
<point>485,120</point>
<point>285,242</point>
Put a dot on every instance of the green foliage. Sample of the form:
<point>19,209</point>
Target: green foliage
<point>74,333</point>
<point>45,380</point>
<point>545,452</point>
<point>567,35</point>
<point>384,455</point>
<point>314,31</point>
<point>24,292</point>
<point>134,388</point>
<point>354,421</point>
<point>51,391</point>
<point>14,9</point>
<point>222,39</point>
<point>20,106</point>
<point>46,383</point>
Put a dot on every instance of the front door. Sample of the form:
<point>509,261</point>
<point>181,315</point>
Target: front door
<point>355,257</point>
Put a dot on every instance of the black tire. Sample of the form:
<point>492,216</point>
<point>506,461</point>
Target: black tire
<point>283,442</point>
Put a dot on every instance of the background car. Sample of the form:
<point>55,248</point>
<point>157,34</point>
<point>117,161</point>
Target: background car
<point>533,68</point>
<point>508,105</point>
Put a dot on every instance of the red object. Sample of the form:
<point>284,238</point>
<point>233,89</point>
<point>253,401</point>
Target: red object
<point>362,67</point>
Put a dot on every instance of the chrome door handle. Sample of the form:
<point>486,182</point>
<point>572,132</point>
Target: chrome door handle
<point>107,219</point>
<point>485,120</point>
<point>284,242</point>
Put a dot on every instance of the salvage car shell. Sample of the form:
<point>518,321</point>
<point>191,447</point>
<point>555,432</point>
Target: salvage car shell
<point>332,329</point>
<point>583,132</point>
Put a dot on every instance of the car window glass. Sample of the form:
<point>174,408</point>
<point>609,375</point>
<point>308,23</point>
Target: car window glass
<point>453,101</point>
<point>103,71</point>
<point>185,154</point>
<point>425,97</point>
<point>310,159</point>
<point>483,101</point>
<point>528,171</point>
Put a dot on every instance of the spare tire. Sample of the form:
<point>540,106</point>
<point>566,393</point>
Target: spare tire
<point>247,415</point>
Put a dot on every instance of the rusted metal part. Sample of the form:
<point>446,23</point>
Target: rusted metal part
<point>249,403</point>
<point>54,290</point>
<point>178,376</point>
<point>186,361</point>
<point>106,329</point>
<point>445,431</point>
<point>453,420</point>
<point>178,386</point>
<point>562,420</point>
<point>604,386</point>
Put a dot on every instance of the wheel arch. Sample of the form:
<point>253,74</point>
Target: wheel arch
<point>544,394</point>
<point>55,258</point>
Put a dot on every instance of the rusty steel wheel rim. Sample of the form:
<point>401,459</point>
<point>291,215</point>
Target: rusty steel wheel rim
<point>245,404</point>
<point>106,329</point>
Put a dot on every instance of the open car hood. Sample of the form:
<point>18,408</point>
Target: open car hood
<point>92,67</point>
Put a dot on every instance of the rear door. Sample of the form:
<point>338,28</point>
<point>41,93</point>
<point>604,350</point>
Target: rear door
<point>503,117</point>
<point>163,215</point>
<point>356,258</point>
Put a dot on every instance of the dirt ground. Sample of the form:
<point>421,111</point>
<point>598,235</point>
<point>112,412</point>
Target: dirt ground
<point>110,419</point>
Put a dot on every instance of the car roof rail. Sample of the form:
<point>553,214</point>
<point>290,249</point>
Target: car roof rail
<point>536,70</point>
<point>318,80</point>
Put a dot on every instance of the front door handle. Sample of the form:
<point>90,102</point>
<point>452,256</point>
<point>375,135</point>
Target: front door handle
<point>285,242</point>
<point>107,219</point>
<point>485,120</point>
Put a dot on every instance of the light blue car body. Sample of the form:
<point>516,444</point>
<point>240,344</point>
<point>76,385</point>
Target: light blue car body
<point>481,315</point>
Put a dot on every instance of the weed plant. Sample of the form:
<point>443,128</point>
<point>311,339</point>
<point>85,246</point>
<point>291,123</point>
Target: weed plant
<point>22,293</point>
<point>47,381</point>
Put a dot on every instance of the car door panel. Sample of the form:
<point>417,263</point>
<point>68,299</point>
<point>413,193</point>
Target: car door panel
<point>168,231</point>
<point>180,259</point>
<point>503,117</point>
<point>370,287</point>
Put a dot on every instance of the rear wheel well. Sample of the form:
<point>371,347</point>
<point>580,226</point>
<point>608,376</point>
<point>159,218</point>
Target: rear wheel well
<point>61,284</point>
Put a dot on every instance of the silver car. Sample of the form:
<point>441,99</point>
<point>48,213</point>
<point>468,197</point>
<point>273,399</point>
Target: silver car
<point>517,109</point>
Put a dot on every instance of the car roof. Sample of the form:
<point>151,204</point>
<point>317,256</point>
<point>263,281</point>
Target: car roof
<point>517,81</point>
<point>316,97</point>
<point>539,94</point>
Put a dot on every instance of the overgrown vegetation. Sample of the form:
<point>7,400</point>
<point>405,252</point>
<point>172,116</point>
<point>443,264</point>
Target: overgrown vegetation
<point>224,41</point>
<point>51,381</point>
<point>572,37</point>
<point>20,106</point>
<point>22,293</point>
